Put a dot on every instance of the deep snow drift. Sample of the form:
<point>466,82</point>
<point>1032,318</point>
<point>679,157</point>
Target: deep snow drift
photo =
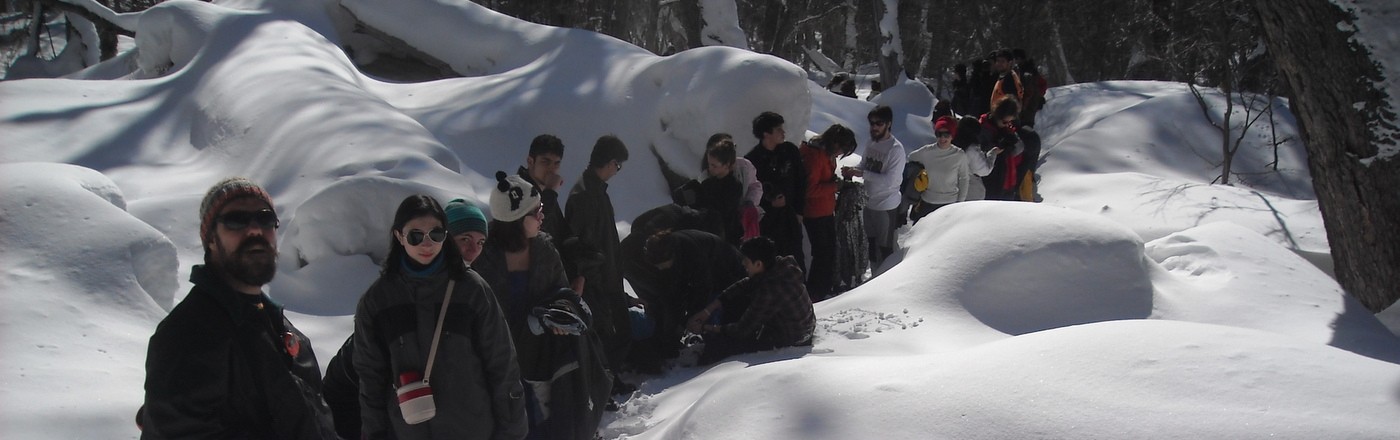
<point>1137,301</point>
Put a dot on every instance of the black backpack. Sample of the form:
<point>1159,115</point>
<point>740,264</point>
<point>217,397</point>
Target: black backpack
<point>914,183</point>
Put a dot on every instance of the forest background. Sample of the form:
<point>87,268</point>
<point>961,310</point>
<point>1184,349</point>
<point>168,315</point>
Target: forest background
<point>1211,43</point>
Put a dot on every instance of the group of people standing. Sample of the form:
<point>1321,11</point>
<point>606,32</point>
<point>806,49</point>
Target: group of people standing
<point>991,118</point>
<point>508,326</point>
<point>522,314</point>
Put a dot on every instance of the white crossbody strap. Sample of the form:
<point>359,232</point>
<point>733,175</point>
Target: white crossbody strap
<point>437,334</point>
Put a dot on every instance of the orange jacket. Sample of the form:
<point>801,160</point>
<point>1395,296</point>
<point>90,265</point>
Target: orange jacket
<point>821,182</point>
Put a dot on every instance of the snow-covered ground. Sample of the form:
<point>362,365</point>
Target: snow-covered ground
<point>1138,301</point>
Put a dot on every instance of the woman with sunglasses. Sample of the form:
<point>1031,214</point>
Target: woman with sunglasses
<point>559,356</point>
<point>475,377</point>
<point>949,176</point>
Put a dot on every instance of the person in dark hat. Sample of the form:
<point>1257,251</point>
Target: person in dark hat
<point>467,226</point>
<point>226,362</point>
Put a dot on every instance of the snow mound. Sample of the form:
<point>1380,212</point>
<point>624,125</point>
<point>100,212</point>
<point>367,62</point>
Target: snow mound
<point>343,229</point>
<point>1016,267</point>
<point>1082,129</point>
<point>84,283</point>
<point>1157,206</point>
<point>526,79</point>
<point>912,103</point>
<point>1212,276</point>
<point>54,213</point>
<point>1122,379</point>
<point>169,35</point>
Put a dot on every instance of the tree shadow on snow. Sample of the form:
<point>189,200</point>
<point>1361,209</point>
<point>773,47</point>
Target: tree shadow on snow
<point>1357,330</point>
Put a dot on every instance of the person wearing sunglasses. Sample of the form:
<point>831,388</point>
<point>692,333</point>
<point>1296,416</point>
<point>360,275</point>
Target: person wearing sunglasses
<point>882,167</point>
<point>949,176</point>
<point>562,363</point>
<point>998,129</point>
<point>227,353</point>
<point>402,328</point>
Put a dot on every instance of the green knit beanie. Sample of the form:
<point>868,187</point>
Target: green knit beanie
<point>463,216</point>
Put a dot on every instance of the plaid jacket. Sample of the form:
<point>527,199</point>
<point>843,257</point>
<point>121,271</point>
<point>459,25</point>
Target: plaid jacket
<point>779,310</point>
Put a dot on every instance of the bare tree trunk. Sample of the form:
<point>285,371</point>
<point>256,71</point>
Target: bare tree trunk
<point>1358,187</point>
<point>891,56</point>
<point>926,42</point>
<point>106,31</point>
<point>1068,78</point>
<point>1227,87</point>
<point>1227,153</point>
<point>689,17</point>
<point>36,24</point>
<point>849,58</point>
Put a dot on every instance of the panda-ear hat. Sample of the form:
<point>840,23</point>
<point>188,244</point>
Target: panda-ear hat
<point>514,198</point>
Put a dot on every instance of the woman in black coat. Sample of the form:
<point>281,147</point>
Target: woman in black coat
<point>560,358</point>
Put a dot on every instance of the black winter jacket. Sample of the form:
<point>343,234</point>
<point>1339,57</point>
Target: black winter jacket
<point>781,170</point>
<point>341,389</point>
<point>475,378</point>
<point>218,366</point>
<point>591,217</point>
<point>721,196</point>
<point>554,222</point>
<point>705,264</point>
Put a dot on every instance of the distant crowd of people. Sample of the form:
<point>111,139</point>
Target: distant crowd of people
<point>520,309</point>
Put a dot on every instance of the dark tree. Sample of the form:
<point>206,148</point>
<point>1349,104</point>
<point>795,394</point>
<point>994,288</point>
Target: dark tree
<point>1342,116</point>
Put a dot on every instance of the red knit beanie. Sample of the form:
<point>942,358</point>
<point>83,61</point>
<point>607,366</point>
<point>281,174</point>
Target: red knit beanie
<point>219,195</point>
<point>946,123</point>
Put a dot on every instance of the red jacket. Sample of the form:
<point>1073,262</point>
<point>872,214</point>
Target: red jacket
<point>821,182</point>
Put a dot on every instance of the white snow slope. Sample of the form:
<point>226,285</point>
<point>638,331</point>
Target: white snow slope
<point>1138,301</point>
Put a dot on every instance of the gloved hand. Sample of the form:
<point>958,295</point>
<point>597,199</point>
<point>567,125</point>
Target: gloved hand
<point>556,319</point>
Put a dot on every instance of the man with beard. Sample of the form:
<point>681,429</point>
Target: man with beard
<point>883,168</point>
<point>226,363</point>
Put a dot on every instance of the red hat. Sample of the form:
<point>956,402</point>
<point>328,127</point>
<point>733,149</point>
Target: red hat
<point>946,123</point>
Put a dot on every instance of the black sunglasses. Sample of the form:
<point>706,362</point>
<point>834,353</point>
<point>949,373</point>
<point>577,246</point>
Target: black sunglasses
<point>238,220</point>
<point>415,237</point>
<point>943,133</point>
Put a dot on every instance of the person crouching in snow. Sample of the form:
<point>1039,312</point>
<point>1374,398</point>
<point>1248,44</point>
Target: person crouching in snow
<point>768,309</point>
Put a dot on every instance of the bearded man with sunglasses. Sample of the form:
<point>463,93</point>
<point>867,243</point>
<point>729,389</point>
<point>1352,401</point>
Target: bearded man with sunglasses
<point>882,167</point>
<point>226,363</point>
